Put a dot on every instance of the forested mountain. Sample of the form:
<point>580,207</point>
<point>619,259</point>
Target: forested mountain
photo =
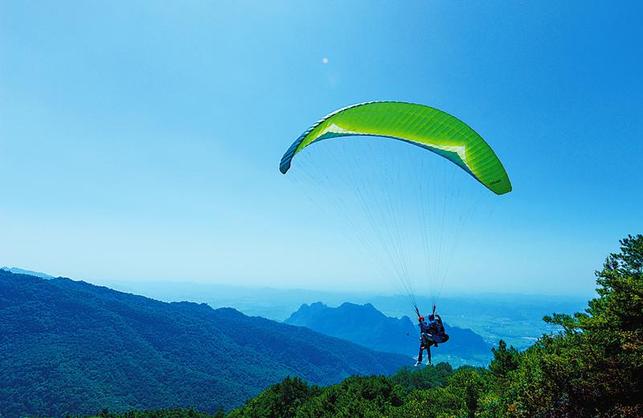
<point>71,347</point>
<point>18,270</point>
<point>365,325</point>
<point>592,368</point>
<point>70,358</point>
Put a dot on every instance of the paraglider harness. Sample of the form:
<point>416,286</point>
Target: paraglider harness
<point>433,332</point>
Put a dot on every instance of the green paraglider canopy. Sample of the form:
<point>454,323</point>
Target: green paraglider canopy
<point>416,124</point>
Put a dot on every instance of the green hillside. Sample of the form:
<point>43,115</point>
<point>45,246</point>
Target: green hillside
<point>592,368</point>
<point>69,347</point>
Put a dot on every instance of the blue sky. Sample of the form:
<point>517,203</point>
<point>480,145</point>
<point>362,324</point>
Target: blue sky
<point>140,140</point>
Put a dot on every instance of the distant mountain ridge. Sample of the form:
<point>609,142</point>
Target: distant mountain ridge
<point>70,347</point>
<point>365,325</point>
<point>18,270</point>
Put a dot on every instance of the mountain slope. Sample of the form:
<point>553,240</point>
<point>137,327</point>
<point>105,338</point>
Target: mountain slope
<point>365,325</point>
<point>17,270</point>
<point>71,347</point>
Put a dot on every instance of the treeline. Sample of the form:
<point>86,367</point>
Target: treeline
<point>592,368</point>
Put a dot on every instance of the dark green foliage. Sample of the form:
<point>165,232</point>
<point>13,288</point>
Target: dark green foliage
<point>468,384</point>
<point>593,367</point>
<point>434,403</point>
<point>504,360</point>
<point>161,413</point>
<point>431,392</point>
<point>280,400</point>
<point>354,397</point>
<point>69,347</point>
<point>423,378</point>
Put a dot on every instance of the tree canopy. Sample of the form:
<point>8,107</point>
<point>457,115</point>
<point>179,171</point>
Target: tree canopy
<point>591,367</point>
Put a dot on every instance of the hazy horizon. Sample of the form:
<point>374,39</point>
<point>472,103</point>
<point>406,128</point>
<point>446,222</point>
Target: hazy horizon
<point>133,285</point>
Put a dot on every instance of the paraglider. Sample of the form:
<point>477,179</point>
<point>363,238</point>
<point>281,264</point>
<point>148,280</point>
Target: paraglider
<point>432,333</point>
<point>386,196</point>
<point>416,124</point>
